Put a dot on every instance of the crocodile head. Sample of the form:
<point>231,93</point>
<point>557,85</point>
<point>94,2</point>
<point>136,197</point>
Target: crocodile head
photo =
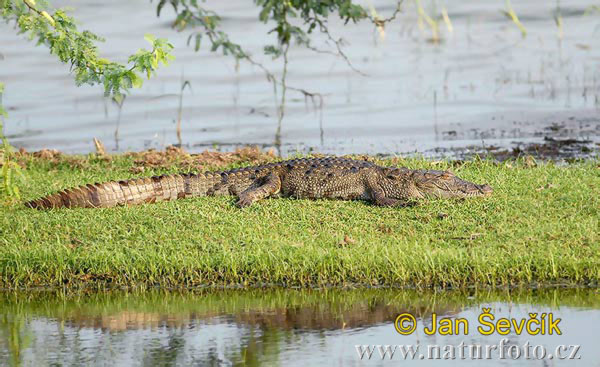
<point>444,184</point>
<point>436,184</point>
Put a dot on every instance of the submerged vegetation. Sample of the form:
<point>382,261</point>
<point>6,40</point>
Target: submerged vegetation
<point>539,227</point>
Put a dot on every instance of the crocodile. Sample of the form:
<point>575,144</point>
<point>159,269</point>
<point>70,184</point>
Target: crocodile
<point>302,178</point>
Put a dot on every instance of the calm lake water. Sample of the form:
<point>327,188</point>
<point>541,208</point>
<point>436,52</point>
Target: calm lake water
<point>286,327</point>
<point>483,85</point>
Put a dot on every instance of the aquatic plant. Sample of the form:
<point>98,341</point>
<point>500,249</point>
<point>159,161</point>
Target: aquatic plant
<point>512,15</point>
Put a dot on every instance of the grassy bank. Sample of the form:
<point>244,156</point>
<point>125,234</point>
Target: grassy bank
<point>540,226</point>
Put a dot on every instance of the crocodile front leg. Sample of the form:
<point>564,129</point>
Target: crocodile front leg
<point>378,198</point>
<point>271,186</point>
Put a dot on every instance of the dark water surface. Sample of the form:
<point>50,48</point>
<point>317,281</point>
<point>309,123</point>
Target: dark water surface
<point>281,327</point>
<point>483,86</point>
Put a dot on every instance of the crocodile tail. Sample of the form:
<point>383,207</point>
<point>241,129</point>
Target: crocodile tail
<point>128,192</point>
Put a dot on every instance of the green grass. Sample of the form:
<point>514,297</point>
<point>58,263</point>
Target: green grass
<point>541,226</point>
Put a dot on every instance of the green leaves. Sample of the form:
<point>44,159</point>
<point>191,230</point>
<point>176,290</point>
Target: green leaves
<point>9,173</point>
<point>3,113</point>
<point>78,48</point>
<point>147,62</point>
<point>197,39</point>
<point>150,38</point>
<point>312,13</point>
<point>58,31</point>
<point>9,170</point>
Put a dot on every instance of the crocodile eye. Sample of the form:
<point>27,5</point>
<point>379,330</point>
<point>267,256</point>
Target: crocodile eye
<point>391,173</point>
<point>446,175</point>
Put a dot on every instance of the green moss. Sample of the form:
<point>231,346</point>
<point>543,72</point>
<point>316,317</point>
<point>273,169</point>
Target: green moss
<point>540,226</point>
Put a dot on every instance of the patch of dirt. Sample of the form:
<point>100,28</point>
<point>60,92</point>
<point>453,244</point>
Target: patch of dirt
<point>47,154</point>
<point>174,156</point>
<point>54,157</point>
<point>150,159</point>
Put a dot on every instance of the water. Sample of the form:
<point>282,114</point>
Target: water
<point>483,86</point>
<point>277,327</point>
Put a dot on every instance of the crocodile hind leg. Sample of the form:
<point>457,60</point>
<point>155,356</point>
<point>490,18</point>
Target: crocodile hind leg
<point>270,186</point>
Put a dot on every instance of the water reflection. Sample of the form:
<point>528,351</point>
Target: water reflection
<point>255,327</point>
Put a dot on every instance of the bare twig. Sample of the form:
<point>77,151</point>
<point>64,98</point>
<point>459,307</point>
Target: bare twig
<point>241,54</point>
<point>338,45</point>
<point>382,22</point>
<point>218,39</point>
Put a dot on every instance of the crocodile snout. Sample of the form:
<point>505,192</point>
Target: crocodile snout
<point>485,189</point>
